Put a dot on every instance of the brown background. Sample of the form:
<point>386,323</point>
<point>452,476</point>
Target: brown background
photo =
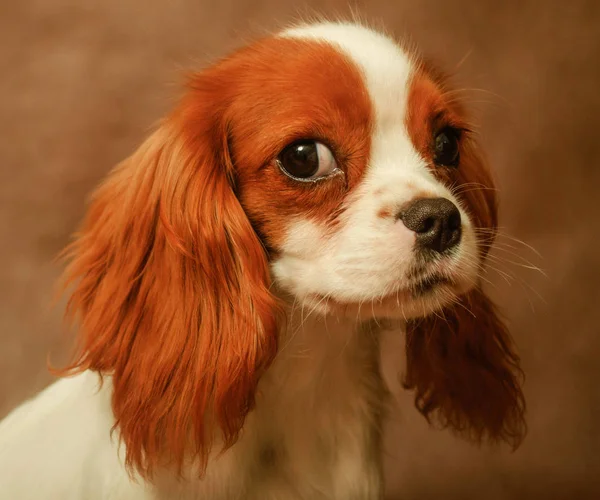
<point>81,83</point>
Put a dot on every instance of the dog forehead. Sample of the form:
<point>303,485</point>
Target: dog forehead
<point>386,68</point>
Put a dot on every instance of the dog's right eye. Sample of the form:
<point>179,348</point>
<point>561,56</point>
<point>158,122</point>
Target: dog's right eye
<point>307,160</point>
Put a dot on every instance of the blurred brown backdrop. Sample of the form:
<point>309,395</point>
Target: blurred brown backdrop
<point>82,82</point>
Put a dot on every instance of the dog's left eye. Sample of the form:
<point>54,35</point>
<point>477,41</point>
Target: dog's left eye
<point>306,160</point>
<point>446,147</point>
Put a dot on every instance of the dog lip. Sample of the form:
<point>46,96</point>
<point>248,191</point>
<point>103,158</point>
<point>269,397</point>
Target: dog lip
<point>427,284</point>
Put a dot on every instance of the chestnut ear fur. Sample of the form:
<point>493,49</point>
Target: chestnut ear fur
<point>171,291</point>
<point>465,372</point>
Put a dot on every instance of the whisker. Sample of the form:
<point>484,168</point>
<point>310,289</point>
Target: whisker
<point>501,234</point>
<point>502,258</point>
<point>464,191</point>
<point>524,266</point>
<point>508,248</point>
<point>464,58</point>
<point>466,90</point>
<point>473,186</point>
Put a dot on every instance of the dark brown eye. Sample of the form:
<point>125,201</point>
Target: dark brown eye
<point>306,160</point>
<point>446,148</point>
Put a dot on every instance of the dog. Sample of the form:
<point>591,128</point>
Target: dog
<point>232,278</point>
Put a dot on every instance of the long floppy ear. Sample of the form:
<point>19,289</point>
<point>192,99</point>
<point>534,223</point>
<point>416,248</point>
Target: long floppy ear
<point>462,364</point>
<point>465,372</point>
<point>171,290</point>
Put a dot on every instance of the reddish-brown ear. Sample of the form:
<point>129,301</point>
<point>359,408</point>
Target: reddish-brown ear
<point>171,291</point>
<point>465,373</point>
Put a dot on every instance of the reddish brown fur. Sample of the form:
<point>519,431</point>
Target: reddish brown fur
<point>171,281</point>
<point>172,296</point>
<point>384,213</point>
<point>464,369</point>
<point>317,94</point>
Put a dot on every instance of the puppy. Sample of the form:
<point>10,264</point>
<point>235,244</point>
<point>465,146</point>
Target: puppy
<point>231,276</point>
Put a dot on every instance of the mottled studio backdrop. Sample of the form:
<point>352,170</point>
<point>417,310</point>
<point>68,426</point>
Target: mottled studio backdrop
<point>82,82</point>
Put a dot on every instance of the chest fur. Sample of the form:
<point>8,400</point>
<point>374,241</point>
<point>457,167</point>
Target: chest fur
<point>315,430</point>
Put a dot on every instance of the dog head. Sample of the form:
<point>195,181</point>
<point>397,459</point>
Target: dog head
<point>326,164</point>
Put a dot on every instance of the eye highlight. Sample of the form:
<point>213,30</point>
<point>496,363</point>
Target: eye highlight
<point>446,151</point>
<point>307,160</point>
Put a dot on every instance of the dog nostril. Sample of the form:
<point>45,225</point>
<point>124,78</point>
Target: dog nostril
<point>426,226</point>
<point>436,222</point>
<point>454,220</point>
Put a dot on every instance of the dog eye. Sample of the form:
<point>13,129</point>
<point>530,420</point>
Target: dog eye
<point>306,160</point>
<point>446,148</point>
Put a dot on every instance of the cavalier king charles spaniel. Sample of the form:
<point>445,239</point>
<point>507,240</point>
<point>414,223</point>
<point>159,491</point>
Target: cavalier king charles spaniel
<point>232,279</point>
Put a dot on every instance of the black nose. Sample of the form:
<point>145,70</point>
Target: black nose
<point>436,222</point>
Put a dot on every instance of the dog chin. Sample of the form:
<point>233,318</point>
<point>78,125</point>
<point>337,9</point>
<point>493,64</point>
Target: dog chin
<point>403,304</point>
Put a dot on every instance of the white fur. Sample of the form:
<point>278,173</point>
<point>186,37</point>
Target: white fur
<point>315,431</point>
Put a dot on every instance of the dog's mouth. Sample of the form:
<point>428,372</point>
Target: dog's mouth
<point>425,285</point>
<point>425,288</point>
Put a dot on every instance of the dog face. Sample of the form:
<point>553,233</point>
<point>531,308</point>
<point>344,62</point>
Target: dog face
<point>389,149</point>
